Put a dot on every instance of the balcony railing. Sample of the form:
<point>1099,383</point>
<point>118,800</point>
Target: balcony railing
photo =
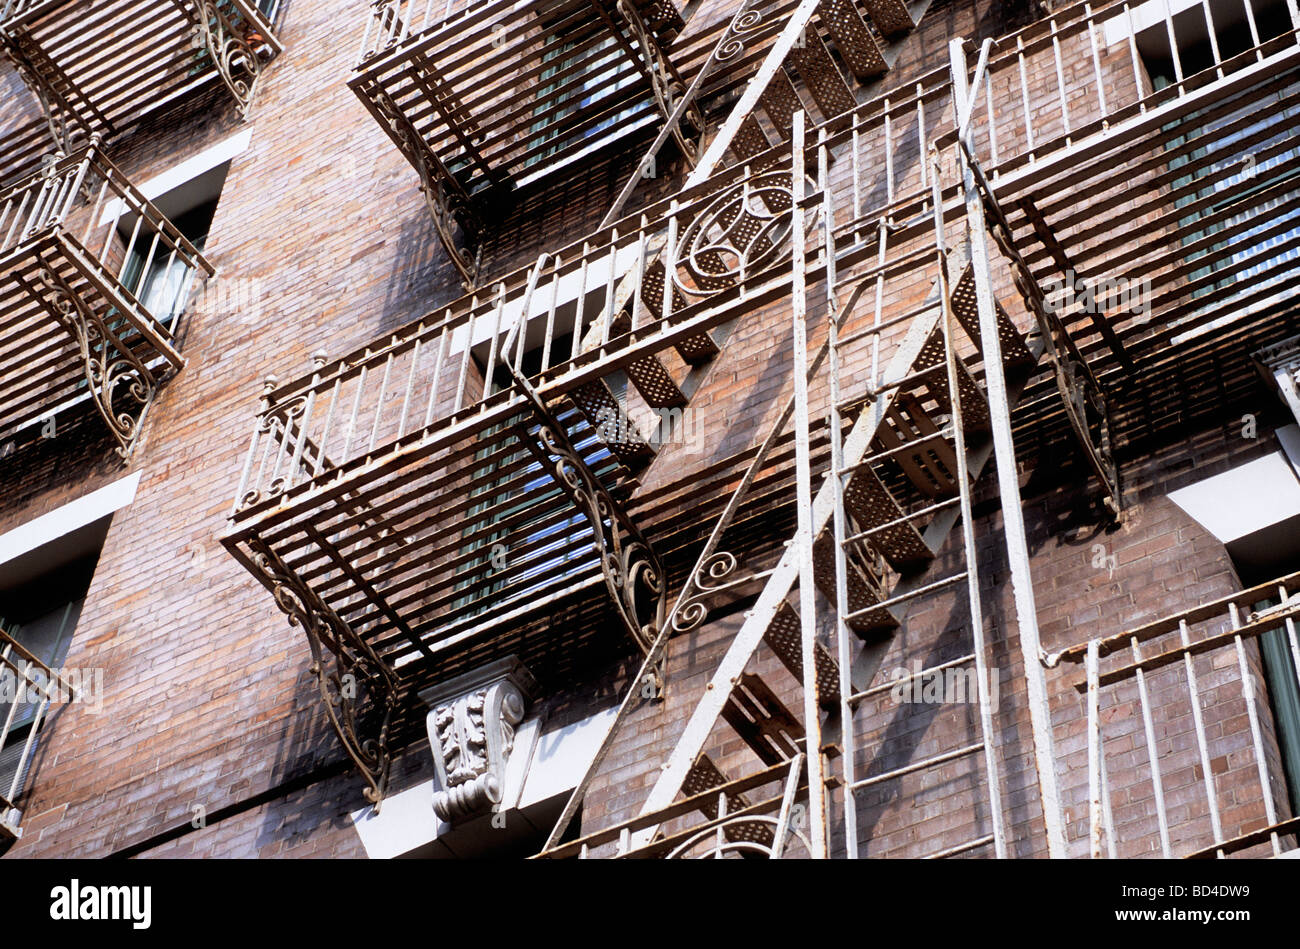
<point>31,688</point>
<point>1158,700</point>
<point>485,98</point>
<point>396,500</point>
<point>101,67</point>
<point>93,279</point>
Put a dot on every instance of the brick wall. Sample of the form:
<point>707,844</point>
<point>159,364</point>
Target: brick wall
<point>209,703</point>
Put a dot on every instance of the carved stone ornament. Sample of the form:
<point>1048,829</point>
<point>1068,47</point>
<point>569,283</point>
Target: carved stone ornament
<point>472,721</point>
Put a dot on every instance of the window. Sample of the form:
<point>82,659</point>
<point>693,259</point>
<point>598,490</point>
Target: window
<point>153,273</point>
<point>587,67</point>
<point>46,566</point>
<point>1243,151</point>
<point>545,541</point>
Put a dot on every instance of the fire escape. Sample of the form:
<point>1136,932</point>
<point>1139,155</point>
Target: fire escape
<point>426,503</point>
<point>93,279</point>
<point>467,488</point>
<point>100,68</point>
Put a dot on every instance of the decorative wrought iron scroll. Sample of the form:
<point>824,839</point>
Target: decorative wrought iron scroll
<point>354,682</point>
<point>121,385</point>
<point>633,573</point>
<point>230,36</point>
<point>448,203</point>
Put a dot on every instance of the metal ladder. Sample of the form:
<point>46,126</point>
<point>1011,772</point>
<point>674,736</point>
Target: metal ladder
<point>852,523</point>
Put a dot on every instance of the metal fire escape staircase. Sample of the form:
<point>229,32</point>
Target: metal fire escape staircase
<point>856,522</point>
<point>824,50</point>
<point>852,527</point>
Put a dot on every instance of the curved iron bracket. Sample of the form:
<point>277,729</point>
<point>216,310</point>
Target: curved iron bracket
<point>351,677</point>
<point>634,575</point>
<point>448,203</point>
<point>231,36</point>
<point>121,385</point>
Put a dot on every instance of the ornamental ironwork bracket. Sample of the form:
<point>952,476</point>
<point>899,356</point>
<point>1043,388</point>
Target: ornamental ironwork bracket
<point>121,385</point>
<point>53,91</point>
<point>448,203</point>
<point>1084,401</point>
<point>355,685</point>
<point>633,573</point>
<point>666,84</point>
<point>230,32</point>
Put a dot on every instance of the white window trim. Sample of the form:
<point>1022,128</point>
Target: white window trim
<point>177,176</point>
<point>70,517</point>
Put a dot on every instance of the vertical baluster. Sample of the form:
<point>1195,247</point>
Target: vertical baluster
<point>295,466</point>
<point>323,448</point>
<point>435,384</point>
<point>489,373</point>
<point>580,310</point>
<point>1153,756</point>
<point>410,380</point>
<point>549,337</point>
<point>1202,747</point>
<point>351,428</point>
<point>383,393</point>
<point>1214,38</point>
<point>610,279</point>
<point>464,358</point>
<point>1096,66</point>
<point>264,426</point>
<point>889,153</point>
<point>670,261</point>
<point>1024,99</point>
<point>1256,733</point>
<point>1173,48</point>
<point>1060,81</point>
<point>1254,29</point>
<point>1139,74</point>
<point>1094,754</point>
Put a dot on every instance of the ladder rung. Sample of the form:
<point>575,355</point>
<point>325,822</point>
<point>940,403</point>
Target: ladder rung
<point>876,328</point>
<point>961,848</point>
<point>886,686</point>
<point>930,509</point>
<point>912,594</point>
<point>916,445</point>
<point>918,766</point>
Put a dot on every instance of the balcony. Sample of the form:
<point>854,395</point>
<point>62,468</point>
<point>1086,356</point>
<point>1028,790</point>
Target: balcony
<point>101,67</point>
<point>32,687</point>
<point>93,280</point>
<point>493,97</point>
<point>456,491</point>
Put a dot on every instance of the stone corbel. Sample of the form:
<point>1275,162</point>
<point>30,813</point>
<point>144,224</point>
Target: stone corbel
<point>471,723</point>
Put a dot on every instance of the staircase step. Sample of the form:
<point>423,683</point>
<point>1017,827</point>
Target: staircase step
<point>780,101</point>
<point>750,140</point>
<point>929,462</point>
<point>821,77</point>
<point>863,590</point>
<point>974,404</point>
<point>604,413</point>
<point>694,349</point>
<point>655,383</point>
<point>785,638</point>
<point>705,776</point>
<point>762,721</point>
<point>1010,340</point>
<point>870,504</point>
<point>853,38</point>
<point>890,16</point>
